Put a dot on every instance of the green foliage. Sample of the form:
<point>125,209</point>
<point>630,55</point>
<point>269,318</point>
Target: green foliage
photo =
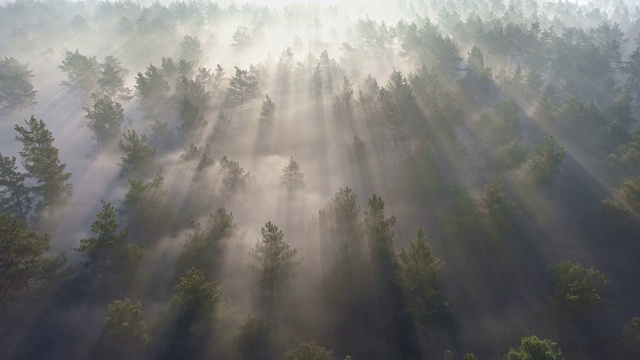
<point>138,157</point>
<point>234,178</point>
<point>191,120</point>
<point>192,91</point>
<point>190,48</point>
<point>251,339</point>
<point>191,317</point>
<point>23,266</point>
<point>124,334</point>
<point>501,211</point>
<point>40,159</point>
<point>82,71</point>
<point>15,196</point>
<point>144,201</point>
<point>544,162</point>
<point>108,252</point>
<point>513,154</point>
<point>104,118</point>
<point>544,110</point>
<point>273,259</point>
<point>620,109</point>
<point>16,90</point>
<point>419,274</point>
<point>193,153</point>
<point>309,351</point>
<point>292,178</point>
<point>626,199</point>
<point>576,289</point>
<point>629,153</point>
<point>111,80</point>
<point>196,298</point>
<point>379,231</point>
<point>532,348</point>
<point>268,110</point>
<point>153,89</point>
<point>203,248</point>
<point>242,88</point>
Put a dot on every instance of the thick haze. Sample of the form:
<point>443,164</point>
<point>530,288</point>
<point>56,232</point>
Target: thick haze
<point>506,130</point>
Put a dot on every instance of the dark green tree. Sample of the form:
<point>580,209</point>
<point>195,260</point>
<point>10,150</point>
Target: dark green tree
<point>576,290</point>
<point>626,199</point>
<point>107,252</point>
<point>104,118</point>
<point>138,157</point>
<point>267,112</point>
<point>234,178</point>
<point>309,351</point>
<point>111,80</point>
<point>620,109</point>
<point>502,212</point>
<point>242,88</point>
<point>24,269</point>
<point>532,348</point>
<point>203,248</point>
<point>82,72</point>
<point>544,162</point>
<point>16,90</point>
<point>40,159</point>
<point>191,316</point>
<point>251,339</point>
<point>144,204</point>
<point>419,274</point>
<point>274,262</point>
<point>153,90</point>
<point>124,333</point>
<point>15,197</point>
<point>387,294</point>
<point>191,119</point>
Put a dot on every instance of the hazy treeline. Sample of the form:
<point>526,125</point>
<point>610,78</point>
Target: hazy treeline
<point>424,179</point>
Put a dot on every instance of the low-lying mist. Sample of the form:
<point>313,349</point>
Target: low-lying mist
<point>319,180</point>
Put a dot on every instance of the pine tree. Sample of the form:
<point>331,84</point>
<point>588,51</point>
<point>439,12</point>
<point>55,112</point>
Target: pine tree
<point>23,266</point>
<point>292,177</point>
<point>242,88</point>
<point>107,252</point>
<point>138,157</point>
<point>104,118</point>
<point>111,80</point>
<point>16,89</point>
<point>274,262</point>
<point>40,159</point>
<point>82,71</point>
<point>15,196</point>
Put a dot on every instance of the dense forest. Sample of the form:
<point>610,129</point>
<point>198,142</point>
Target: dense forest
<point>411,179</point>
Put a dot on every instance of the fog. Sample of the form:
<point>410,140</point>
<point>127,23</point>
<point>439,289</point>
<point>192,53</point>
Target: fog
<point>507,131</point>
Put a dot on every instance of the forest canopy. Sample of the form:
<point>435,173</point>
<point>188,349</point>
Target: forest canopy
<point>413,179</point>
